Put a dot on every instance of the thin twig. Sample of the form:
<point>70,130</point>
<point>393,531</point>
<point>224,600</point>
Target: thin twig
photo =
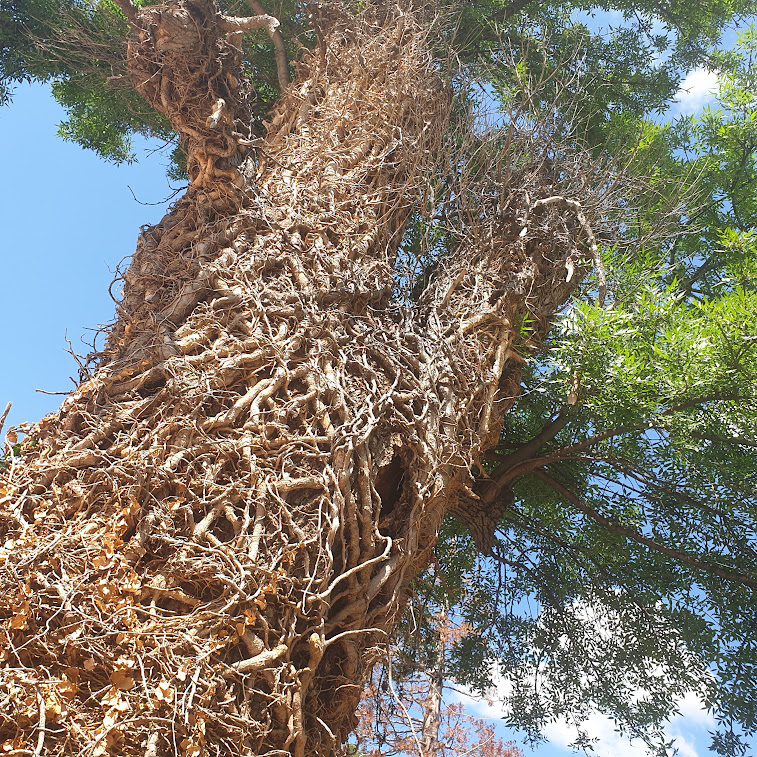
<point>41,724</point>
<point>4,416</point>
<point>612,527</point>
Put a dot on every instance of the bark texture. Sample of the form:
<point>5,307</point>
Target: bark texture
<point>206,541</point>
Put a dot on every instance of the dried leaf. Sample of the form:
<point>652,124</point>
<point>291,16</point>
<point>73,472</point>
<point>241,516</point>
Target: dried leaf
<point>191,748</point>
<point>21,613</point>
<point>164,692</point>
<point>103,561</point>
<point>115,701</point>
<point>122,677</point>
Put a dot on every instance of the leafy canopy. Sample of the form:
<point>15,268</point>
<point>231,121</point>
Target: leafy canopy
<point>624,574</point>
<point>79,46</point>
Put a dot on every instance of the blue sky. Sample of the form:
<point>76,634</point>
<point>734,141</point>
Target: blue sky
<point>68,218</point>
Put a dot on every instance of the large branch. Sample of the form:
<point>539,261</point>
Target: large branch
<point>531,447</point>
<point>522,250</point>
<point>524,459</point>
<point>282,63</point>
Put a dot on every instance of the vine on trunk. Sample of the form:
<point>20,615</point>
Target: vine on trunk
<point>206,542</point>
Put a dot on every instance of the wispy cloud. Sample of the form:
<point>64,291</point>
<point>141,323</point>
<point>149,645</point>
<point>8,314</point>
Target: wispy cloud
<point>599,728</point>
<point>696,91</point>
<point>685,728</point>
<point>688,728</point>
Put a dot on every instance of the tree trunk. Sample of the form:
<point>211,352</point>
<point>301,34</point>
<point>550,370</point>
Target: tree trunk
<point>203,545</point>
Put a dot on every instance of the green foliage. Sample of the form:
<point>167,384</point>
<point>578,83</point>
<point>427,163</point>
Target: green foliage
<point>98,120</point>
<point>633,68</point>
<point>80,47</point>
<point>624,575</point>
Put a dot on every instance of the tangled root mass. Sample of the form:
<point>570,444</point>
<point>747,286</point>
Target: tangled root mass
<point>204,544</point>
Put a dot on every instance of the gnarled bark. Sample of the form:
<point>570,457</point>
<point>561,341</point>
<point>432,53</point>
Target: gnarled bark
<point>203,545</point>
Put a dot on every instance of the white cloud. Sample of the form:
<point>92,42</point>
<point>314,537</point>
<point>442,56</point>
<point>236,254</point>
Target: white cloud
<point>696,90</point>
<point>490,707</point>
<point>688,728</point>
<point>693,720</point>
<point>609,743</point>
<point>684,729</point>
<point>692,710</point>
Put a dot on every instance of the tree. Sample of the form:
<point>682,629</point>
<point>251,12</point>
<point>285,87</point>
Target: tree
<point>631,530</point>
<point>316,351</point>
<point>403,713</point>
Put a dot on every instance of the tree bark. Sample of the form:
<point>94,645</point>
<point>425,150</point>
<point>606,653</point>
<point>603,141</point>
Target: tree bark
<point>205,542</point>
<point>432,707</point>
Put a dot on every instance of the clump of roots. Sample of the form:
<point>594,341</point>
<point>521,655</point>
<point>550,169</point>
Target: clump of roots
<point>203,545</point>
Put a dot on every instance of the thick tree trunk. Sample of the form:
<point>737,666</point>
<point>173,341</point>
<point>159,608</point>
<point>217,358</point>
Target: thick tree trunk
<point>203,545</point>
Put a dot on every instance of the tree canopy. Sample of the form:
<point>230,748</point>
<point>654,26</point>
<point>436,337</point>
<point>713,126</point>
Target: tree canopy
<point>622,571</point>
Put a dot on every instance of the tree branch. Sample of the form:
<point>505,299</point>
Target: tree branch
<point>740,440</point>
<point>630,469</point>
<point>645,540</point>
<point>602,435</point>
<point>229,24</point>
<point>129,10</point>
<point>531,447</point>
<point>713,397</point>
<point>581,555</point>
<point>522,461</point>
<point>280,53</point>
<point>537,575</point>
<point>4,416</point>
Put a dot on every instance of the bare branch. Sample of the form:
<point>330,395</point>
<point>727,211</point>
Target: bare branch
<point>282,62</point>
<point>230,24</point>
<point>41,724</point>
<point>615,528</point>
<point>4,416</point>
